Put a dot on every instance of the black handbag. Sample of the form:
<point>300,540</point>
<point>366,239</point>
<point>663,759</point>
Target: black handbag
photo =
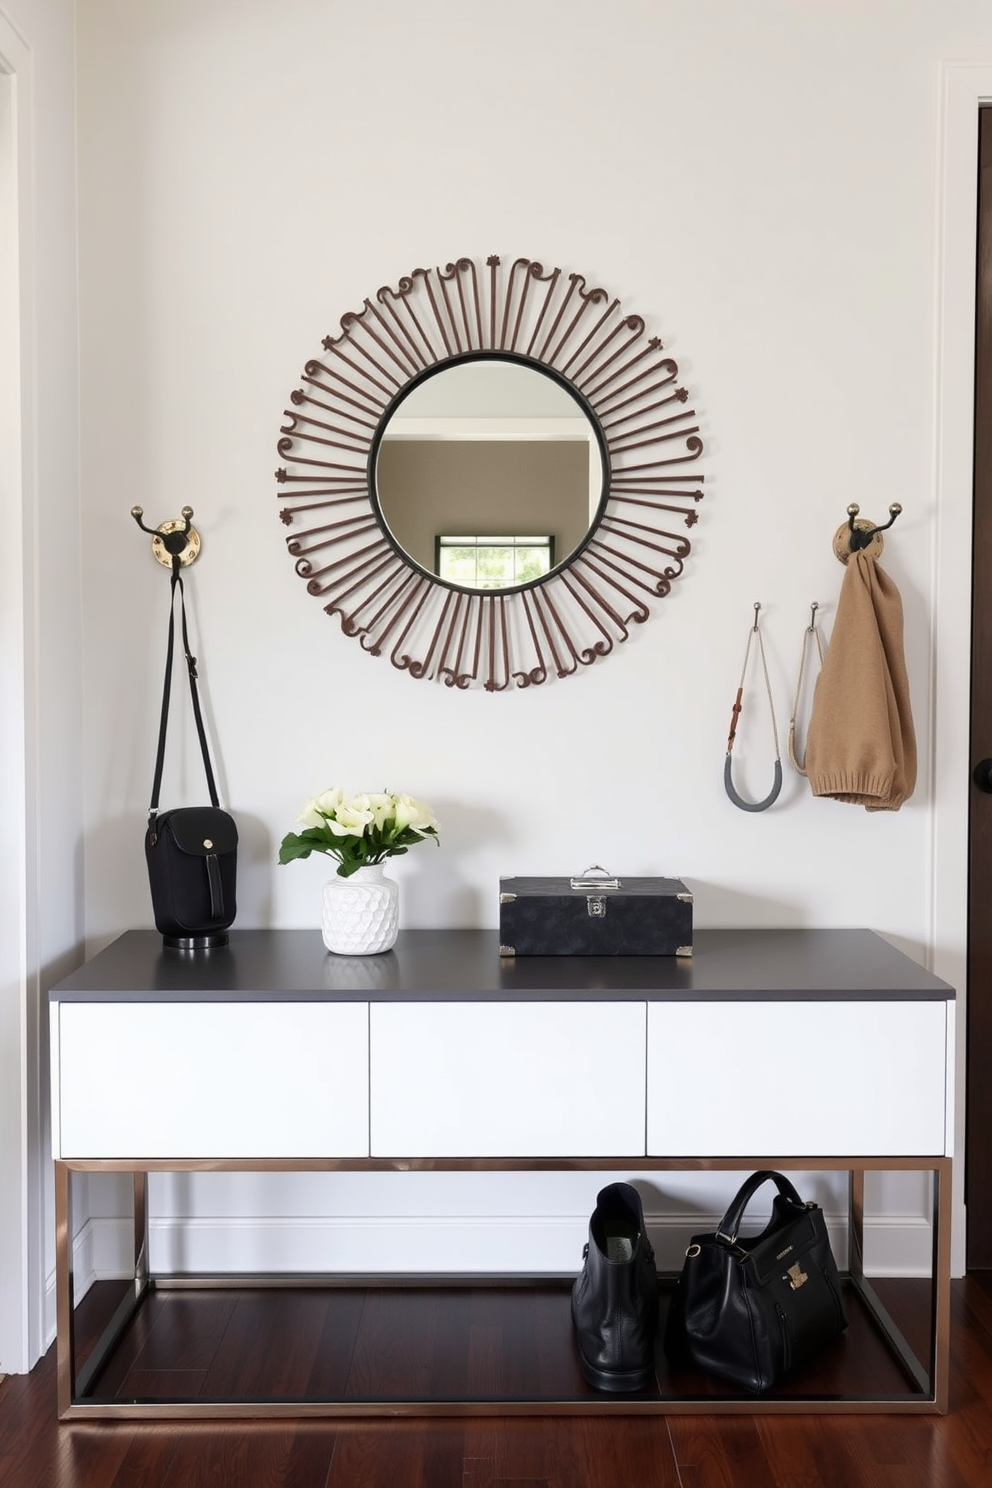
<point>749,1310</point>
<point>192,851</point>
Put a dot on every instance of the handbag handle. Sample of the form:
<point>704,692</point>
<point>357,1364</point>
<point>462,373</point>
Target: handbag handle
<point>177,583</point>
<point>730,1225</point>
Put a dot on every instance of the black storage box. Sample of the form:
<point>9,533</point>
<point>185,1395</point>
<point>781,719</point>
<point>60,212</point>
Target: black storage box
<point>594,915</point>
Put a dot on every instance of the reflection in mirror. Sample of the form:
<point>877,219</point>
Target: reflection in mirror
<point>482,449</point>
<point>493,562</point>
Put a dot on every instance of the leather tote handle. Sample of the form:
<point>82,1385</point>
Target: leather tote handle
<point>177,582</point>
<point>730,1225</point>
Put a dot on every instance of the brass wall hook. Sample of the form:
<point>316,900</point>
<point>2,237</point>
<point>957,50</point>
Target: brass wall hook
<point>862,536</point>
<point>177,538</point>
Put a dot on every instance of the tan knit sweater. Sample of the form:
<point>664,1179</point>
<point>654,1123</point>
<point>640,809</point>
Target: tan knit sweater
<point>860,745</point>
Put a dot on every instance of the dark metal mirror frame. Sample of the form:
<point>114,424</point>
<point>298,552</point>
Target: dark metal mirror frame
<point>585,607</point>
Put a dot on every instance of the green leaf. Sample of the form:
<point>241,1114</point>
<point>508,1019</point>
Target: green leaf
<point>301,844</point>
<point>293,847</point>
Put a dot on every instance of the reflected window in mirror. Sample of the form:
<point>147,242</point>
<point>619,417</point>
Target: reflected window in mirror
<point>493,562</point>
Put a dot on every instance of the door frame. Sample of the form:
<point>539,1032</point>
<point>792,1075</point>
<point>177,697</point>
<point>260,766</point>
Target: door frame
<point>964,88</point>
<point>22,1282</point>
<point>978,1106</point>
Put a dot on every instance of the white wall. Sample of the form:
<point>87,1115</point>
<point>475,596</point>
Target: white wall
<point>759,182</point>
<point>244,182</point>
<point>41,840</point>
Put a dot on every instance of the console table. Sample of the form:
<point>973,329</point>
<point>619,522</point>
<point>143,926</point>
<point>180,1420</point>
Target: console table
<point>271,1054</point>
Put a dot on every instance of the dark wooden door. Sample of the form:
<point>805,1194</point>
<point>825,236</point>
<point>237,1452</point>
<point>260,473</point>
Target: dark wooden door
<point>978,1170</point>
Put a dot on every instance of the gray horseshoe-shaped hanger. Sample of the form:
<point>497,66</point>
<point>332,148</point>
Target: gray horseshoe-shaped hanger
<point>728,779</point>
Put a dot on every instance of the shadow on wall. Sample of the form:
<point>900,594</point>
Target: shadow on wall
<point>257,862</point>
<point>117,892</point>
<point>717,907</point>
<point>434,892</point>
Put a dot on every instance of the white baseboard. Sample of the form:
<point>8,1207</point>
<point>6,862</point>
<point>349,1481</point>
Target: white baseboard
<point>894,1245</point>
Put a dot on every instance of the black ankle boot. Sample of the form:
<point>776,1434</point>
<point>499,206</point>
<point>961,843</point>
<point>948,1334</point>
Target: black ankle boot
<point>615,1296</point>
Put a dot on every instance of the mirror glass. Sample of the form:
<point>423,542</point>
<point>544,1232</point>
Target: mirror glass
<point>489,474</point>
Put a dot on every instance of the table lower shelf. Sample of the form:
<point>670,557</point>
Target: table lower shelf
<point>507,1347</point>
<point>179,1347</point>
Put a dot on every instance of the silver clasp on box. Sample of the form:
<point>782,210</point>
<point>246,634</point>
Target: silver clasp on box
<point>595,877</point>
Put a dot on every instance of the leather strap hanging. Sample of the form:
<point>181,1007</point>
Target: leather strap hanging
<point>191,851</point>
<point>728,780</point>
<point>809,633</point>
<point>177,583</point>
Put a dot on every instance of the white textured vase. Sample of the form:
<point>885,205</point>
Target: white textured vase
<point>361,914</point>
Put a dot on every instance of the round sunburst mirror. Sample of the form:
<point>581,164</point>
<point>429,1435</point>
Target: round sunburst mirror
<point>483,470</point>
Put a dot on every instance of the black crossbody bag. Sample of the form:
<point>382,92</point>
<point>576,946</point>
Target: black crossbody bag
<point>192,851</point>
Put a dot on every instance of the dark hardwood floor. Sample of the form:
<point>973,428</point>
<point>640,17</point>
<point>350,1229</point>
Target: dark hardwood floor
<point>465,1342</point>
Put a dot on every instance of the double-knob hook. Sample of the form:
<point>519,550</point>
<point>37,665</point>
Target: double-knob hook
<point>857,537</point>
<point>175,543</point>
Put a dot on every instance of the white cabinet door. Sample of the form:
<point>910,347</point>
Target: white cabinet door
<point>507,1079</point>
<point>797,1078</point>
<point>187,1080</point>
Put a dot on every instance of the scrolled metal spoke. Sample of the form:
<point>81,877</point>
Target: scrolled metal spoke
<point>531,272</point>
<point>551,279</point>
<point>406,363</point>
<point>663,579</point>
<point>548,610</point>
<point>299,397</point>
<point>348,527</point>
<point>588,300</point>
<point>535,675</point>
<point>636,496</point>
<point>423,667</point>
<point>640,612</point>
<point>455,676</point>
<point>439,318</point>
<point>348,569</point>
<point>418,598</point>
<point>496,642</point>
<point>285,448</point>
<point>620,446</point>
<point>405,587</point>
<point>627,527</point>
<point>459,674</point>
<point>632,323</point>
<point>289,514</point>
<point>608,406</point>
<point>679,396</point>
<point>332,344</point>
<point>457,330</point>
<point>603,647</point>
<point>422,351</point>
<point>293,429</point>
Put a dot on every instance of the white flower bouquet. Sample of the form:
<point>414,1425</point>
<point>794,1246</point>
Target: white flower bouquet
<point>359,830</point>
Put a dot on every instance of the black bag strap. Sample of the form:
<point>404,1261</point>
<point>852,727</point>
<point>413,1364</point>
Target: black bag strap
<point>730,1225</point>
<point>177,583</point>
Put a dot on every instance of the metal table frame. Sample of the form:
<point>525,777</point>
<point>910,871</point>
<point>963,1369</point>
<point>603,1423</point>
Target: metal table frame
<point>928,1391</point>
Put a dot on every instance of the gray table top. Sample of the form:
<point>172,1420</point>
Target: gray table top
<point>450,965</point>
